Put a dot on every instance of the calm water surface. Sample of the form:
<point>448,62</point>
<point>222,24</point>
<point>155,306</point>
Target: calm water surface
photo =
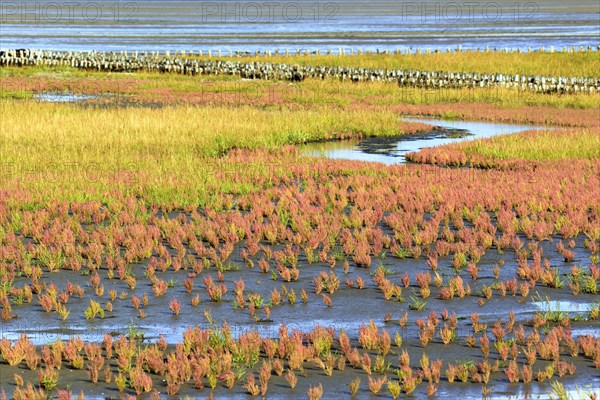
<point>392,150</point>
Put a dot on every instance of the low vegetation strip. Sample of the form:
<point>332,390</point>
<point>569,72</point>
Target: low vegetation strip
<point>294,72</point>
<point>539,62</point>
<point>156,90</point>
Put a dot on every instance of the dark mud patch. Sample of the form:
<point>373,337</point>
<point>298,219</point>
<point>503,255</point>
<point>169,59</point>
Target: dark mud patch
<point>393,146</point>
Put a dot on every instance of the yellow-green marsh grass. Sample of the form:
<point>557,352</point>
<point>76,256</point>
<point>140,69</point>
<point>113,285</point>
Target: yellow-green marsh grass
<point>314,91</point>
<point>584,63</point>
<point>537,145</point>
<point>379,93</point>
<point>59,147</point>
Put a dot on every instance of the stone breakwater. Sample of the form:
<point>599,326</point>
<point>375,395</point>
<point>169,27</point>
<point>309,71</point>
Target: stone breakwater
<point>180,64</point>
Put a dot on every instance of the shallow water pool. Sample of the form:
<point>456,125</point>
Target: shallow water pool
<point>392,150</point>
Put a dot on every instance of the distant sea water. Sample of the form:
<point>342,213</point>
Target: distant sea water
<point>297,25</point>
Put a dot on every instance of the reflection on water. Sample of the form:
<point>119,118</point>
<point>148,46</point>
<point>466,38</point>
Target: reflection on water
<point>62,97</point>
<point>392,150</point>
<point>172,332</point>
<point>562,306</point>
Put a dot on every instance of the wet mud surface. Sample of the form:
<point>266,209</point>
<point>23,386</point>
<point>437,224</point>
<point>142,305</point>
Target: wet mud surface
<point>351,308</point>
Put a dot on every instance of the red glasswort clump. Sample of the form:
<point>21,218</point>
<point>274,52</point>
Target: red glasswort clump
<point>175,306</point>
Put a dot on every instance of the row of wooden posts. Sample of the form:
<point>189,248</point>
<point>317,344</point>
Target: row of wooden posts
<point>341,51</point>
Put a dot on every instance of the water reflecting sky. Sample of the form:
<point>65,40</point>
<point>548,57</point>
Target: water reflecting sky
<point>297,25</point>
